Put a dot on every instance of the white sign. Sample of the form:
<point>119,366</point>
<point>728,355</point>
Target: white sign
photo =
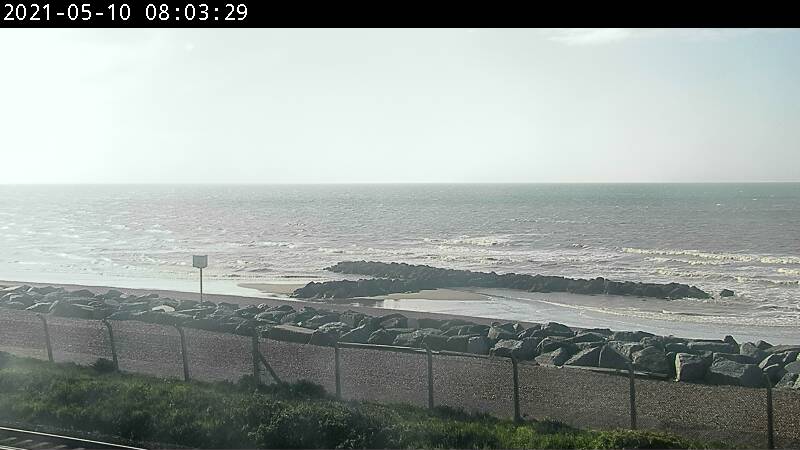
<point>200,261</point>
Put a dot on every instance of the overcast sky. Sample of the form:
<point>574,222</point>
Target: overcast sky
<point>454,105</point>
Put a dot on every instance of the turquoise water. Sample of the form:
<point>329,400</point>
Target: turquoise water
<point>745,237</point>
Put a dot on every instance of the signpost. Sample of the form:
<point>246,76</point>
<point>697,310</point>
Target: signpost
<point>201,262</point>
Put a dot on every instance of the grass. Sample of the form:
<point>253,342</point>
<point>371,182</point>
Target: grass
<point>143,409</point>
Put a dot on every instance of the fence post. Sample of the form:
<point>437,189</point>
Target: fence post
<point>183,354</point>
<point>256,362</point>
<point>337,369</point>
<point>517,416</point>
<point>46,338</point>
<point>113,344</point>
<point>632,377</point>
<point>770,424</point>
<point>430,376</point>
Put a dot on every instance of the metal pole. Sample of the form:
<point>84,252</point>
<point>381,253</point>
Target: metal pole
<point>201,285</point>
<point>256,362</point>
<point>47,338</point>
<point>517,416</point>
<point>632,396</point>
<point>430,376</point>
<point>337,368</point>
<point>113,344</point>
<point>183,354</point>
<point>770,423</point>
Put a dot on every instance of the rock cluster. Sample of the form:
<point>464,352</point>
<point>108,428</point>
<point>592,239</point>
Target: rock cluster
<point>705,361</point>
<point>401,277</point>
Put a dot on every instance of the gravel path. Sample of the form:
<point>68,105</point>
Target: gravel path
<point>577,397</point>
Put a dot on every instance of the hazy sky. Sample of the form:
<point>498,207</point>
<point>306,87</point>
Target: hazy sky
<point>453,105</point>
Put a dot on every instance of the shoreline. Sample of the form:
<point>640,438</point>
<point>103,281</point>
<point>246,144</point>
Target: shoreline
<point>483,306</point>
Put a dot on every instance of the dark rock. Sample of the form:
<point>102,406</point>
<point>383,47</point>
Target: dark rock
<point>724,371</point>
<point>712,346</point>
<point>358,335</point>
<point>555,329</point>
<point>352,318</point>
<point>497,333</point>
<point>381,337</point>
<point>601,331</point>
<point>749,349</point>
<point>529,332</point>
<point>626,348</point>
<point>735,357</point>
<point>586,337</point>
<point>40,307</point>
<point>557,357</point>
<point>676,347</point>
<point>651,359</point>
<point>763,345</point>
<point>319,320</point>
<point>790,357</point>
<point>726,293</point>
<point>519,349</point>
<point>414,338</point>
<point>588,358</point>
<point>610,358</point>
<point>774,372</point>
<point>328,333</point>
<point>435,341</point>
<point>290,333</point>
<point>689,367</point>
<point>457,343</point>
<point>630,336</point>
<point>789,381</point>
<point>772,359</point>
<point>549,344</point>
<point>478,345</point>
<point>793,367</point>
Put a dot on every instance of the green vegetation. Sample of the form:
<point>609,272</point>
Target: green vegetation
<point>240,415</point>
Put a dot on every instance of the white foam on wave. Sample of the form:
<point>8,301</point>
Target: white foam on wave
<point>736,257</point>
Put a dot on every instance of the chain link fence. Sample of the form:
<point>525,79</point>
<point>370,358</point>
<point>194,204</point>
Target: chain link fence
<point>498,386</point>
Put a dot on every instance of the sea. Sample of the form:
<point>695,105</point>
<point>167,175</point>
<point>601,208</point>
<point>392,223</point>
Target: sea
<point>743,237</point>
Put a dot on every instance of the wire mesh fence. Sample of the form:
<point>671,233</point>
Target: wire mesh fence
<point>580,398</point>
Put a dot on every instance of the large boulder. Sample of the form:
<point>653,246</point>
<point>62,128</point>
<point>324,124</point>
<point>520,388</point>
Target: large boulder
<point>555,329</point>
<point>557,357</point>
<point>793,367</point>
<point>40,307</point>
<point>651,359</point>
<point>435,341</point>
<point>519,349</point>
<point>457,343</point>
<point>626,349</point>
<point>586,337</point>
<point>358,335</point>
<point>414,338</point>
<point>610,358</point>
<point>789,357</point>
<point>689,367</point>
<point>319,320</point>
<point>736,357</point>
<point>774,372</point>
<point>789,381</point>
<point>772,360</point>
<point>328,334</point>
<point>588,358</point>
<point>381,337</point>
<point>498,333</point>
<point>750,349</point>
<point>725,371</point>
<point>549,344</point>
<point>712,346</point>
<point>726,293</point>
<point>630,336</point>
<point>290,333</point>
<point>478,345</point>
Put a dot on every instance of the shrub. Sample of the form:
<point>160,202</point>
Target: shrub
<point>103,365</point>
